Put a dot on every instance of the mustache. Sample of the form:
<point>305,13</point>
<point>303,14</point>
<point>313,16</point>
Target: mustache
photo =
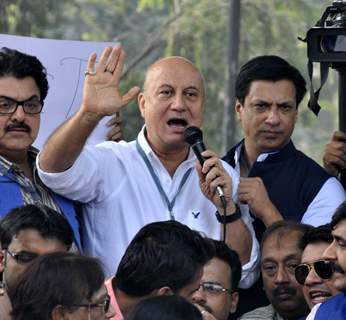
<point>18,125</point>
<point>283,289</point>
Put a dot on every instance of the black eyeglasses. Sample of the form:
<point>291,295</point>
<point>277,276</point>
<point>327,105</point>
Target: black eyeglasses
<point>213,288</point>
<point>104,304</point>
<point>23,257</point>
<point>9,105</point>
<point>324,269</point>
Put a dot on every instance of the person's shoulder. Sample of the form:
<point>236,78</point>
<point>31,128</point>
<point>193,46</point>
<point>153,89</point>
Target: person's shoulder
<point>262,313</point>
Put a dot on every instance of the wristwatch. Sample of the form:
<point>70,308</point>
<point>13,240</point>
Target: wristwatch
<point>230,217</point>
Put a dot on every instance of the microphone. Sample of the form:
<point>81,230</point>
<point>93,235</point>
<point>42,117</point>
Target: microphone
<point>194,137</point>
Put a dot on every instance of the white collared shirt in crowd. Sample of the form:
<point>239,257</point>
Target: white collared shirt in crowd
<point>120,197</point>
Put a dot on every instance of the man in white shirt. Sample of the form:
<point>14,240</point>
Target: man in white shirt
<point>127,185</point>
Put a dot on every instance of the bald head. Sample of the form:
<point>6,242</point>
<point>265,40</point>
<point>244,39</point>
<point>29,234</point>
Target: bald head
<point>174,63</point>
<point>172,100</point>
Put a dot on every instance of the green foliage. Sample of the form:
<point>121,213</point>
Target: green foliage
<point>196,29</point>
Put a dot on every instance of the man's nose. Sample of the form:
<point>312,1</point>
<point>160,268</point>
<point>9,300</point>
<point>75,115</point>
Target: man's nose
<point>19,114</point>
<point>178,103</point>
<point>282,276</point>
<point>330,252</point>
<point>199,296</point>
<point>273,117</point>
<point>312,278</point>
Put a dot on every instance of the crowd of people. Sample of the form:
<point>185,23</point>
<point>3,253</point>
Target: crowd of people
<point>133,230</point>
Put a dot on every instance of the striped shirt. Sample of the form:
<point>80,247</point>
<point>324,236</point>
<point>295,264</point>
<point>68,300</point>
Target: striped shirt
<point>33,192</point>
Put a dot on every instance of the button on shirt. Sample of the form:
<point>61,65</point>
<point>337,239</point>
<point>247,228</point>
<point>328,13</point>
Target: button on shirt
<point>121,197</point>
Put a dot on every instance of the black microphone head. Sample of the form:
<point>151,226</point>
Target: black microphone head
<point>192,135</point>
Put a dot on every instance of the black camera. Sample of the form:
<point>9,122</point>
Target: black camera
<point>327,39</point>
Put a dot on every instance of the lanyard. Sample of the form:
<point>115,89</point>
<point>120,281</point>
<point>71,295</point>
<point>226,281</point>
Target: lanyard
<point>170,204</point>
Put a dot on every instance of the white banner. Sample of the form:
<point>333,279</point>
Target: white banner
<point>65,62</point>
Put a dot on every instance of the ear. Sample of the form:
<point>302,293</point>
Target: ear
<point>58,312</point>
<point>164,291</point>
<point>2,260</point>
<point>234,302</point>
<point>141,103</point>
<point>238,109</point>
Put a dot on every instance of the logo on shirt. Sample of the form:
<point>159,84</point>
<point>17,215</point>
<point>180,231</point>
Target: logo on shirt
<point>195,214</point>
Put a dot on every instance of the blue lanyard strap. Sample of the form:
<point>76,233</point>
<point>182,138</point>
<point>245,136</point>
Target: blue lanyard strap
<point>170,204</point>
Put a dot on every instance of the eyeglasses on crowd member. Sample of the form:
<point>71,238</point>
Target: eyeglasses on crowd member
<point>62,285</point>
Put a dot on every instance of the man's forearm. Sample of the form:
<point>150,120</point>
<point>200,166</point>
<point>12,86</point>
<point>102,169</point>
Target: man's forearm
<point>238,237</point>
<point>66,143</point>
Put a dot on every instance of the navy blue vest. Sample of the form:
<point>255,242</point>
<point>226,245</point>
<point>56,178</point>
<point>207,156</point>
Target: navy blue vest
<point>11,197</point>
<point>291,178</point>
<point>334,308</point>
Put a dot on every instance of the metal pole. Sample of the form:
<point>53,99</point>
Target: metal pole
<point>229,123</point>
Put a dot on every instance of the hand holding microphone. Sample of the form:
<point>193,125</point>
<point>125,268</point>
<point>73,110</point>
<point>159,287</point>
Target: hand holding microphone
<point>213,177</point>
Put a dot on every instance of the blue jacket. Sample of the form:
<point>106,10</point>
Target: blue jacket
<point>11,197</point>
<point>334,308</point>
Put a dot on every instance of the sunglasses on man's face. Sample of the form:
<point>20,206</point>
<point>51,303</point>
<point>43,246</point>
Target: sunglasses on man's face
<point>324,269</point>
<point>23,257</point>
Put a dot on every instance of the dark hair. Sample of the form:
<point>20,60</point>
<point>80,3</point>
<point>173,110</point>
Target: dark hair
<point>20,65</point>
<point>165,253</point>
<point>315,235</point>
<point>231,257</point>
<point>284,227</point>
<point>272,68</point>
<point>165,308</point>
<point>53,279</point>
<point>49,223</point>
<point>340,214</point>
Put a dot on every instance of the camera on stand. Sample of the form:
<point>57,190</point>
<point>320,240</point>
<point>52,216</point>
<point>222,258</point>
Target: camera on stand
<point>327,40</point>
<point>326,44</point>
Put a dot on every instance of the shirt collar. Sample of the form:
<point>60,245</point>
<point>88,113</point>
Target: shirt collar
<point>8,165</point>
<point>261,157</point>
<point>143,142</point>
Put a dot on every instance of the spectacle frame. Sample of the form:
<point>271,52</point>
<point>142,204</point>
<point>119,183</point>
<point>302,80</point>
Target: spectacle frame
<point>23,257</point>
<point>324,269</point>
<point>213,288</point>
<point>30,106</point>
<point>104,304</point>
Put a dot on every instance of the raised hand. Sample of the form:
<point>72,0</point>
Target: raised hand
<point>253,192</point>
<point>101,95</point>
<point>334,158</point>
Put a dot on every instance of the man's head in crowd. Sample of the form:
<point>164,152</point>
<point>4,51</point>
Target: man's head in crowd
<point>23,88</point>
<point>313,244</point>
<point>27,232</point>
<point>217,292</point>
<point>172,100</point>
<point>280,255</point>
<point>268,92</point>
<point>336,251</point>
<point>163,258</point>
<point>165,308</point>
<point>62,285</point>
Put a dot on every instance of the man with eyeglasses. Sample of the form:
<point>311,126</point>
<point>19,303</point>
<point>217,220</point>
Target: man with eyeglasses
<point>23,88</point>
<point>335,307</point>
<point>217,295</point>
<point>314,273</point>
<point>25,233</point>
<point>280,255</point>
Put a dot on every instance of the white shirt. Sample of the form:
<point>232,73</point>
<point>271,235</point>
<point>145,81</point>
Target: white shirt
<point>121,197</point>
<point>312,314</point>
<point>321,208</point>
